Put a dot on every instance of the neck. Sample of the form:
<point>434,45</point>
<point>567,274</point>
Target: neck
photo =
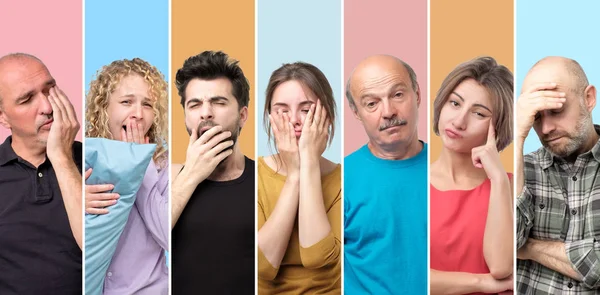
<point>31,151</point>
<point>231,168</point>
<point>459,166</point>
<point>399,151</point>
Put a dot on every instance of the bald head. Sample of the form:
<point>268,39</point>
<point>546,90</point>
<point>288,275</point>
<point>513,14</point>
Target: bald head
<point>566,72</point>
<point>372,67</point>
<point>14,66</point>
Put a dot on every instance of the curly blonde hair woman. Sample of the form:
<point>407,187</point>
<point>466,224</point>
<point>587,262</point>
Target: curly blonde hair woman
<point>127,101</point>
<point>107,80</point>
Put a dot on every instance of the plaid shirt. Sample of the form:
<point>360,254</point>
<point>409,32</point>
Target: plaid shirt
<point>561,202</point>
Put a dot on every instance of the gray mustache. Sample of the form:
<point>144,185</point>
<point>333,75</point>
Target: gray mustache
<point>392,123</point>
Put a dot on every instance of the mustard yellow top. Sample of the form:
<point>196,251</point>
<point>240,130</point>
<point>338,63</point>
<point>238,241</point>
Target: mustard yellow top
<point>313,270</point>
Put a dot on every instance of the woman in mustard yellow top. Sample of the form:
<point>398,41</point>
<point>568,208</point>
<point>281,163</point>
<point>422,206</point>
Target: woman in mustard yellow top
<point>299,191</point>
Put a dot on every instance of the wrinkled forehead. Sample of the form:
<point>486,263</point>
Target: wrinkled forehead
<point>22,74</point>
<point>205,89</point>
<point>379,78</point>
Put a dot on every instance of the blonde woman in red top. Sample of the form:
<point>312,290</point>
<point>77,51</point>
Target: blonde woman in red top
<point>471,193</point>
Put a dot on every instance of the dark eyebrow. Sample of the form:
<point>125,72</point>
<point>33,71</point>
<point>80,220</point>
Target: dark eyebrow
<point>197,100</point>
<point>306,102</point>
<point>475,105</point>
<point>214,98</point>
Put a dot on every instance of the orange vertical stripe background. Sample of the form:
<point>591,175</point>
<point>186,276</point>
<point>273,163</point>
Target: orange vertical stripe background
<point>197,26</point>
<point>460,31</point>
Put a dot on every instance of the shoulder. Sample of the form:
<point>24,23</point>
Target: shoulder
<point>328,167</point>
<point>355,157</point>
<point>535,156</point>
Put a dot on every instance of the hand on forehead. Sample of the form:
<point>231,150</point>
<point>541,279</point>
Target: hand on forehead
<point>566,73</point>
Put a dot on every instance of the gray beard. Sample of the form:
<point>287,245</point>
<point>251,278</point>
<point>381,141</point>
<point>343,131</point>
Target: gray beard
<point>576,141</point>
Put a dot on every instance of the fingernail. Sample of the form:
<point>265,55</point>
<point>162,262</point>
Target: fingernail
<point>114,201</point>
<point>560,104</point>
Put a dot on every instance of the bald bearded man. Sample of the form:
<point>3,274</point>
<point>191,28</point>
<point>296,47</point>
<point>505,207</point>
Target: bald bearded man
<point>558,209</point>
<point>385,201</point>
<point>40,182</point>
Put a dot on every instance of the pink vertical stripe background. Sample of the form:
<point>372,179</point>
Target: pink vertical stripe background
<point>397,28</point>
<point>52,31</point>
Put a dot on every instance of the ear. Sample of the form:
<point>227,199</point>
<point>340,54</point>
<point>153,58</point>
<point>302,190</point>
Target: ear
<point>590,97</point>
<point>243,116</point>
<point>418,96</point>
<point>3,120</point>
<point>355,113</point>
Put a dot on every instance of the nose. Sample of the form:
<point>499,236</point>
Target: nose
<point>460,120</point>
<point>45,106</point>
<point>137,112</point>
<point>295,118</point>
<point>389,110</point>
<point>206,112</point>
<point>547,125</point>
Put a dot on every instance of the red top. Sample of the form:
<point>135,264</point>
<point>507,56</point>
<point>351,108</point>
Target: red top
<point>457,224</point>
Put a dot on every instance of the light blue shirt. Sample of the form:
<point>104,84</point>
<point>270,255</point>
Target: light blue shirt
<point>385,220</point>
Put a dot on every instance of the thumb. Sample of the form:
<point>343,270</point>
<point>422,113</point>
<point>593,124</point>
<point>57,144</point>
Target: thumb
<point>88,173</point>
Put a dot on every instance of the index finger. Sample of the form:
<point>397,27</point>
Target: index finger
<point>208,134</point>
<point>69,108</point>
<point>98,188</point>
<point>540,86</point>
<point>491,138</point>
<point>193,136</point>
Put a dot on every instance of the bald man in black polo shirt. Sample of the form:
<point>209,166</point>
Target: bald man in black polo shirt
<point>40,183</point>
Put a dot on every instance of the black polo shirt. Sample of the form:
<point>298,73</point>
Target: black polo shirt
<point>38,253</point>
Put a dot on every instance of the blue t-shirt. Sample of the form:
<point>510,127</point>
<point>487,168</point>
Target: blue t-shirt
<point>385,224</point>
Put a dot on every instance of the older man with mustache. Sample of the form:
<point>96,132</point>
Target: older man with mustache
<point>386,183</point>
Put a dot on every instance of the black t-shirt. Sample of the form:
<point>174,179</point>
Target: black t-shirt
<point>213,240</point>
<point>38,253</point>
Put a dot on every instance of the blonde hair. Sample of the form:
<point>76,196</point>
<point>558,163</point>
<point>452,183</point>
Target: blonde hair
<point>104,85</point>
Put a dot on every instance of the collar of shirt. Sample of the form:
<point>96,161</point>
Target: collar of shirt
<point>546,158</point>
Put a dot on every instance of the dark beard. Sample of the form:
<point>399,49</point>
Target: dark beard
<point>235,131</point>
